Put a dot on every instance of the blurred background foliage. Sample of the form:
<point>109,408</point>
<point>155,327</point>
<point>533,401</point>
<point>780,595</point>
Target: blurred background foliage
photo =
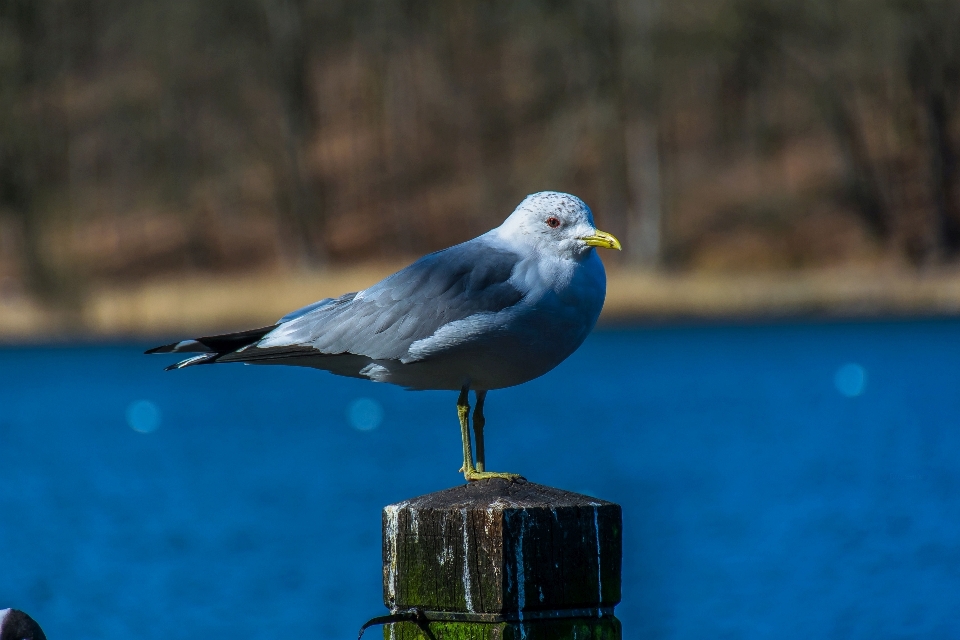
<point>149,138</point>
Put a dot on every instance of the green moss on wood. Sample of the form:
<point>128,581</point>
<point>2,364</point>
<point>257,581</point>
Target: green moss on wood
<point>553,547</point>
<point>606,628</point>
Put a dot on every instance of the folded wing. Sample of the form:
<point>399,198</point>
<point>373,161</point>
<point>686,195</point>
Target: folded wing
<point>379,323</point>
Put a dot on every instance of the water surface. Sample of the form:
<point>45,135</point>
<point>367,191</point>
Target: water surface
<point>778,481</point>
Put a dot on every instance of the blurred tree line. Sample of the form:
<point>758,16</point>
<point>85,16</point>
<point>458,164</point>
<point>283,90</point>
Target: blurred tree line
<point>140,137</point>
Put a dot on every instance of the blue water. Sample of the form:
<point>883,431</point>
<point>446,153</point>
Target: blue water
<point>768,491</point>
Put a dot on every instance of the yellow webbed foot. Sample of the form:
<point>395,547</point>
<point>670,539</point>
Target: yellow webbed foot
<point>472,475</point>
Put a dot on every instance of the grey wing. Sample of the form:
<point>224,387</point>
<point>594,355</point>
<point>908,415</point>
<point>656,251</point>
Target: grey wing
<point>307,309</point>
<point>382,322</point>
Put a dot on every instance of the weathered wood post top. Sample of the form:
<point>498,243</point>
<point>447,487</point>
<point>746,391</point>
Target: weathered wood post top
<point>499,559</point>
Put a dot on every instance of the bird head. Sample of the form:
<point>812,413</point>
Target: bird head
<point>557,223</point>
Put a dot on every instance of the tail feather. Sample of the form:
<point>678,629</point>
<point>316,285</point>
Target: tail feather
<point>262,355</point>
<point>203,358</point>
<point>212,348</point>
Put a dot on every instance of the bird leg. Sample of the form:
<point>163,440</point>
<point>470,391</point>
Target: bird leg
<point>470,472</point>
<point>478,423</point>
<point>463,412</point>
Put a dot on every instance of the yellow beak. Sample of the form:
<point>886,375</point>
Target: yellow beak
<point>602,239</point>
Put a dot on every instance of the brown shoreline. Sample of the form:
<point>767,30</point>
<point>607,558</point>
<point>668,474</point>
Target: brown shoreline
<point>205,304</point>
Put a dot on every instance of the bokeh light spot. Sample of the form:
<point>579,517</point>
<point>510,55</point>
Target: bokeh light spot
<point>143,416</point>
<point>365,414</point>
<point>850,379</point>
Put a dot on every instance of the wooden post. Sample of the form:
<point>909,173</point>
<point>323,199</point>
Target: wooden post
<point>503,560</point>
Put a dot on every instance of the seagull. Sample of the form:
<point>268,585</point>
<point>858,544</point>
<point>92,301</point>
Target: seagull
<point>492,312</point>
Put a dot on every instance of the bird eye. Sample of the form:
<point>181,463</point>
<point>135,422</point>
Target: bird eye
<point>552,222</point>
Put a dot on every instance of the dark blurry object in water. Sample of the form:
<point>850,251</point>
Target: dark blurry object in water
<point>16,625</point>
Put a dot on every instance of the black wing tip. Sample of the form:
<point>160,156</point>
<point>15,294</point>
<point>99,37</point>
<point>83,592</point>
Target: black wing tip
<point>167,348</point>
<point>211,348</point>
